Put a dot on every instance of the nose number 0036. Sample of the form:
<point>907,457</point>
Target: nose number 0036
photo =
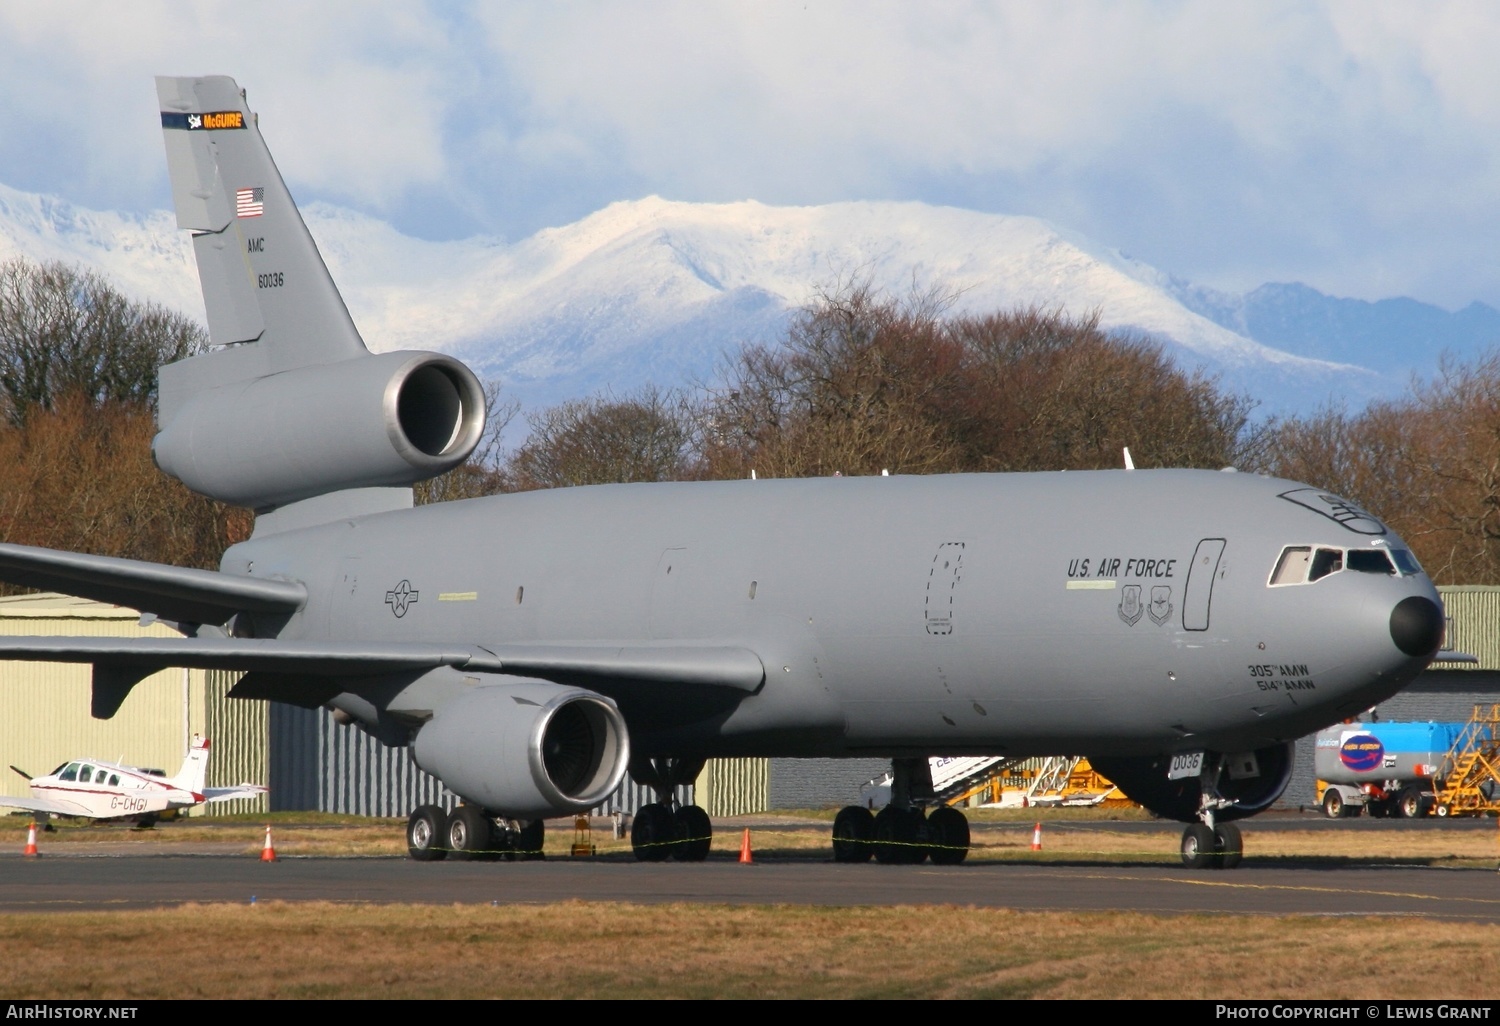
<point>1188,764</point>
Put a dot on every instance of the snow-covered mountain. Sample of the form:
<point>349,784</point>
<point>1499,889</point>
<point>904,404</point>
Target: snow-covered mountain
<point>1391,336</point>
<point>653,290</point>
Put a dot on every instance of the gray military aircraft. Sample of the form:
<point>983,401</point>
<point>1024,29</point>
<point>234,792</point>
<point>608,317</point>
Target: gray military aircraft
<point>1179,627</point>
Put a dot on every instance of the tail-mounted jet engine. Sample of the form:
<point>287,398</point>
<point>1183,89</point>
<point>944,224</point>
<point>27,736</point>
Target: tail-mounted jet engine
<point>1144,781</point>
<point>387,420</point>
<point>526,749</point>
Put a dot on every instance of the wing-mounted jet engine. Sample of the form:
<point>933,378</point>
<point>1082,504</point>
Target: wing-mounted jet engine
<point>1180,627</point>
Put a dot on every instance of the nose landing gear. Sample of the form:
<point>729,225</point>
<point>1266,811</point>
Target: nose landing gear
<point>1207,844</point>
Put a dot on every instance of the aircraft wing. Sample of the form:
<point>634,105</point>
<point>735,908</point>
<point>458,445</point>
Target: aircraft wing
<point>52,805</point>
<point>269,655</point>
<point>306,672</point>
<point>176,593</point>
<point>224,794</point>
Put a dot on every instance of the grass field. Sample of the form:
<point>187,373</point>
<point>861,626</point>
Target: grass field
<point>618,950</point>
<point>579,950</point>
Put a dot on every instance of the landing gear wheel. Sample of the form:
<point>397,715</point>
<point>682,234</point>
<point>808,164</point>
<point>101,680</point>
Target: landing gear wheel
<point>424,833</point>
<point>1198,847</point>
<point>469,833</point>
<point>1443,811</point>
<point>653,834</point>
<point>695,834</point>
<point>1228,845</point>
<point>1334,805</point>
<point>947,836</point>
<point>853,829</point>
<point>527,844</point>
<point>897,836</point>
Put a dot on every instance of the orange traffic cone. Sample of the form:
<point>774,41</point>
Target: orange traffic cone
<point>267,852</point>
<point>745,858</point>
<point>31,841</point>
<point>1036,838</point>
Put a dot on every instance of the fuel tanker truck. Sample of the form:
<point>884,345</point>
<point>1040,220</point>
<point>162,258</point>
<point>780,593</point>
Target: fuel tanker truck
<point>1387,768</point>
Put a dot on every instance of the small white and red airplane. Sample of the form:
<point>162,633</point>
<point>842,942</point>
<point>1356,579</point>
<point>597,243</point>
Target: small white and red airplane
<point>95,789</point>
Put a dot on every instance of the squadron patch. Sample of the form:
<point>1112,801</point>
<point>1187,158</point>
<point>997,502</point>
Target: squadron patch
<point>1130,604</point>
<point>1160,609</point>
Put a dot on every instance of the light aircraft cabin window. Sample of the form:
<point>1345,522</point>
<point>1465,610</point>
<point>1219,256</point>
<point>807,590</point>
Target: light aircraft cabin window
<point>114,781</point>
<point>71,773</point>
<point>85,774</point>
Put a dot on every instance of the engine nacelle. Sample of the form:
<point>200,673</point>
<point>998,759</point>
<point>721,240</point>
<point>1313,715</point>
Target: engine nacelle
<point>262,442</point>
<point>527,749</point>
<point>1144,781</point>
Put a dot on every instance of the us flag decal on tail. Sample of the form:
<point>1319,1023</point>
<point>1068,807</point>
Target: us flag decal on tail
<point>249,202</point>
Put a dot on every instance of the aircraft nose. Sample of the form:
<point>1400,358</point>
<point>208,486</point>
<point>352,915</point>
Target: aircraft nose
<point>1417,625</point>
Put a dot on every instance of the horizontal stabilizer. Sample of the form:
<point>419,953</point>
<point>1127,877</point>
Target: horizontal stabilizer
<point>1448,655</point>
<point>224,794</point>
<point>172,592</point>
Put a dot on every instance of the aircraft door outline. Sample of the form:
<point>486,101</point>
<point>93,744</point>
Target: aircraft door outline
<point>1197,593</point>
<point>943,578</point>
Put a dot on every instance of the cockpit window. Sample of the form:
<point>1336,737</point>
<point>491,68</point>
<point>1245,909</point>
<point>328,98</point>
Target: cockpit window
<point>1325,562</point>
<point>1371,561</point>
<point>71,773</point>
<point>1304,564</point>
<point>1406,562</point>
<point>1292,567</point>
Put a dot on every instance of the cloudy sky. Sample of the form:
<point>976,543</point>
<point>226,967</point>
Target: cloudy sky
<point>1353,146</point>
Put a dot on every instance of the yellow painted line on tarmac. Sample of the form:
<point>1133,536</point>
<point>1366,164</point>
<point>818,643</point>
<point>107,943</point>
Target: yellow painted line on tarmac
<point>1304,888</point>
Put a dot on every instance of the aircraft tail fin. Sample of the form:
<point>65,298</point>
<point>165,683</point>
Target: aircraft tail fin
<point>194,772</point>
<point>262,276</point>
<point>290,405</point>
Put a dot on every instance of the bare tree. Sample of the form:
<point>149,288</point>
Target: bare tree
<point>79,476</point>
<point>68,331</point>
<point>642,436</point>
<point>863,383</point>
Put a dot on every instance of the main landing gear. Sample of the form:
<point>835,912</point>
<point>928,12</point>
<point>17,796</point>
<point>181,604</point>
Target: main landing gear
<point>1208,844</point>
<point>664,829</point>
<point>903,833</point>
<point>469,832</point>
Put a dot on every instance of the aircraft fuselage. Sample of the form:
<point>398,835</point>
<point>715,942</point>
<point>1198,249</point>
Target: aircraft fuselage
<point>1118,612</point>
